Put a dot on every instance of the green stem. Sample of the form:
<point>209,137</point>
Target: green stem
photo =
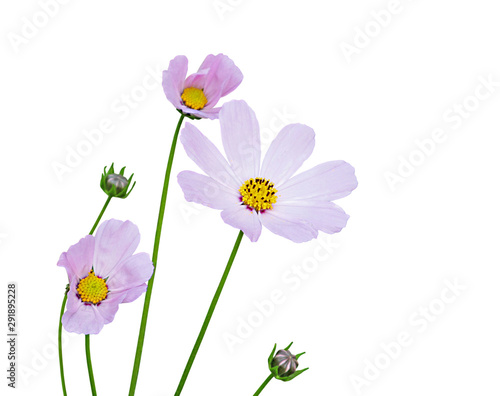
<point>89,364</point>
<point>154,258</point>
<point>100,215</point>
<point>209,315</point>
<point>59,343</point>
<point>264,384</point>
<point>59,334</point>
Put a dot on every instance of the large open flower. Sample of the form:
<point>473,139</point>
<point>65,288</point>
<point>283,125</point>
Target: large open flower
<point>251,195</point>
<point>103,272</point>
<point>197,95</point>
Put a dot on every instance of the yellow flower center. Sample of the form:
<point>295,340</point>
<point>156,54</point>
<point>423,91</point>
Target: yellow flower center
<point>194,98</point>
<point>258,194</point>
<point>92,289</point>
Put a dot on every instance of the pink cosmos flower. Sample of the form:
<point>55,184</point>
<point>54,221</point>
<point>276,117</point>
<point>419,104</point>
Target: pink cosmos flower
<point>197,95</point>
<point>103,272</point>
<point>250,195</point>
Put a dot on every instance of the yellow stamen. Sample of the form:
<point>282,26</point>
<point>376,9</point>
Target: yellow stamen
<point>92,289</point>
<point>258,194</point>
<point>194,98</point>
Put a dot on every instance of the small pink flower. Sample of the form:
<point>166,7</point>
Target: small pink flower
<point>103,272</point>
<point>197,95</point>
<point>250,195</point>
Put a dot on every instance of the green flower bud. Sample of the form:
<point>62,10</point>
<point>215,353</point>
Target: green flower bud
<point>283,364</point>
<point>115,184</point>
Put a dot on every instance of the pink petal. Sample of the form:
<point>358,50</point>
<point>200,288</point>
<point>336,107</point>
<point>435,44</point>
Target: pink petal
<point>287,226</point>
<point>78,259</point>
<point>223,77</point>
<point>173,79</point>
<point>74,301</point>
<point>108,308</point>
<point>203,152</point>
<point>241,138</point>
<point>134,293</point>
<point>288,151</point>
<point>327,181</point>
<point>243,219</point>
<point>115,241</point>
<point>196,80</point>
<point>80,318</point>
<point>323,216</point>
<point>209,62</point>
<point>206,191</point>
<point>84,318</point>
<point>130,272</point>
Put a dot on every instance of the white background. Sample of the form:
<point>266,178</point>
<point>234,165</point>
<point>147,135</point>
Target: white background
<point>438,224</point>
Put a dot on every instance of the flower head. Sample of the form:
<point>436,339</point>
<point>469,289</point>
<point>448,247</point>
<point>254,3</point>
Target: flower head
<point>283,364</point>
<point>197,94</point>
<point>116,184</point>
<point>103,272</point>
<point>251,195</point>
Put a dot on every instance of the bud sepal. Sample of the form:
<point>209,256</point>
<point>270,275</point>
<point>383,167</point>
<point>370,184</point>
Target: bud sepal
<point>190,116</point>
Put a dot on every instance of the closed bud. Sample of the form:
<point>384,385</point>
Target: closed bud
<point>283,364</point>
<point>119,181</point>
<point>116,184</point>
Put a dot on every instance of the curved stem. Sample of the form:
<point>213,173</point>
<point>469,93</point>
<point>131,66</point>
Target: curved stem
<point>89,364</point>
<point>154,258</point>
<point>264,384</point>
<point>209,315</point>
<point>59,343</point>
<point>59,333</point>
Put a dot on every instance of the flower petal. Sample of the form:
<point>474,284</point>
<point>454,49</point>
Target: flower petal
<point>74,301</point>
<point>206,191</point>
<point>130,272</point>
<point>115,241</point>
<point>80,318</point>
<point>241,138</point>
<point>327,181</point>
<point>134,293</point>
<point>173,79</point>
<point>287,226</point>
<point>108,308</point>
<point>196,80</point>
<point>243,219</point>
<point>204,153</point>
<point>78,259</point>
<point>323,216</point>
<point>223,77</point>
<point>288,151</point>
<point>84,318</point>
